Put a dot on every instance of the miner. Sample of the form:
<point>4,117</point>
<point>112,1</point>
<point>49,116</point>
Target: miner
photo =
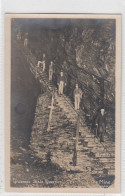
<point>51,70</point>
<point>19,35</point>
<point>39,63</point>
<point>77,97</point>
<point>42,63</point>
<point>101,124</point>
<point>26,40</point>
<point>61,83</point>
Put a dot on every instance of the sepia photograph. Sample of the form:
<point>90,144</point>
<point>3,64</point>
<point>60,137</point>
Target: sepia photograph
<point>63,102</point>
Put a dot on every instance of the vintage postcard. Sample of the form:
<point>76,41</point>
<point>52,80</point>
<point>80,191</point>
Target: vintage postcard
<point>62,103</point>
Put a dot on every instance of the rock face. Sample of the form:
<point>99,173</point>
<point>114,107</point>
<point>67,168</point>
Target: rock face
<point>83,49</point>
<point>24,93</point>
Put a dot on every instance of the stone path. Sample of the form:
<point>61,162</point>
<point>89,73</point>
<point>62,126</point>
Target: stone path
<point>58,143</point>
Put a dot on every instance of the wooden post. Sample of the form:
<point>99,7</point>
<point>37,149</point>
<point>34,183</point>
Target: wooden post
<point>50,114</point>
<point>76,144</point>
<point>77,132</point>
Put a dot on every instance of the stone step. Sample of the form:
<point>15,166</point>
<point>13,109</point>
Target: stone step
<point>98,148</point>
<point>103,154</point>
<point>107,159</point>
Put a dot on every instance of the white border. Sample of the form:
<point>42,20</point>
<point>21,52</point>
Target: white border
<point>58,6</point>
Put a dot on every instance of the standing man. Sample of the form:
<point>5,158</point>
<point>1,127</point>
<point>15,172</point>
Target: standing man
<point>77,97</point>
<point>101,124</point>
<point>44,57</point>
<point>26,40</point>
<point>51,71</point>
<point>42,63</point>
<point>39,63</point>
<point>19,35</point>
<point>61,83</point>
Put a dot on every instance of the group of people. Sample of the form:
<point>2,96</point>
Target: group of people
<point>100,120</point>
<point>20,37</point>
<point>61,82</point>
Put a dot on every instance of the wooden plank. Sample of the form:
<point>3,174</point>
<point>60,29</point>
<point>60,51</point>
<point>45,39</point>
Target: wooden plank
<point>50,114</point>
<point>77,132</point>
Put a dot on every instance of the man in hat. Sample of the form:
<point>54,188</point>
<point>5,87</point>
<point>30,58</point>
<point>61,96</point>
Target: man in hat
<point>101,124</point>
<point>51,70</point>
<point>77,97</point>
<point>61,83</point>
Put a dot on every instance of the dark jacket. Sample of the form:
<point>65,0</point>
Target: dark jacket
<point>101,121</point>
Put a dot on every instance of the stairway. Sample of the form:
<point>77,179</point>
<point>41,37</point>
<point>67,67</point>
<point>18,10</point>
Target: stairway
<point>92,155</point>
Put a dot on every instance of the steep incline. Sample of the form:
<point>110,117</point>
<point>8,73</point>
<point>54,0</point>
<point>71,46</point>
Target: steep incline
<point>58,143</point>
